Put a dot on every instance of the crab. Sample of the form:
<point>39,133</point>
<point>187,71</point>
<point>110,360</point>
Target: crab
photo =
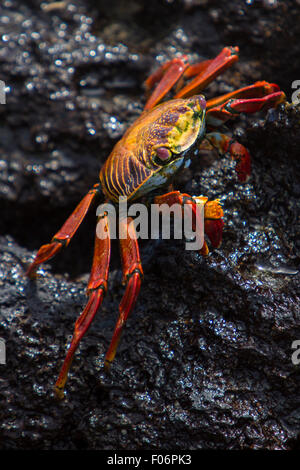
<point>142,165</point>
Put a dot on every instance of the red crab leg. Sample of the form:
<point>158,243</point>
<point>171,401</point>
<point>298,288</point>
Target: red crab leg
<point>218,115</point>
<point>204,72</point>
<point>65,234</point>
<point>96,290</point>
<point>211,69</point>
<point>213,213</point>
<point>196,69</point>
<point>256,90</point>
<point>223,143</point>
<point>156,76</point>
<point>132,277</point>
<point>166,76</point>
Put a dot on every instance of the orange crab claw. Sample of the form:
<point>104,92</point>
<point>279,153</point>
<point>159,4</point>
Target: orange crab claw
<point>213,213</point>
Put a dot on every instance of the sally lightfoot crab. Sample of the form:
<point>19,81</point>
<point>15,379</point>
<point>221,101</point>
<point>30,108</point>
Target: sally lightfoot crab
<point>143,163</point>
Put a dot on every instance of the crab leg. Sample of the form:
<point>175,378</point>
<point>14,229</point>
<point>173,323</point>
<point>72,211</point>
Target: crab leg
<point>204,72</point>
<point>166,76</point>
<point>210,70</point>
<point>223,143</point>
<point>196,69</point>
<point>256,90</point>
<point>248,100</point>
<point>65,234</point>
<point>213,213</point>
<point>96,289</point>
<point>132,277</point>
<point>218,115</point>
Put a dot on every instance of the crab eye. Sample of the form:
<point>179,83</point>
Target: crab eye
<point>202,102</point>
<point>162,155</point>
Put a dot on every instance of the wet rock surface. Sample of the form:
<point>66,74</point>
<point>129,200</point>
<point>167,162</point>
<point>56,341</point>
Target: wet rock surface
<point>206,358</point>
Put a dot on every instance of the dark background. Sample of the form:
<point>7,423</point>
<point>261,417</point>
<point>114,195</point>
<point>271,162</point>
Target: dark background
<point>205,361</point>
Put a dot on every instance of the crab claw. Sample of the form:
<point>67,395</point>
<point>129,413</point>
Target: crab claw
<point>241,155</point>
<point>213,222</point>
<point>213,228</point>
